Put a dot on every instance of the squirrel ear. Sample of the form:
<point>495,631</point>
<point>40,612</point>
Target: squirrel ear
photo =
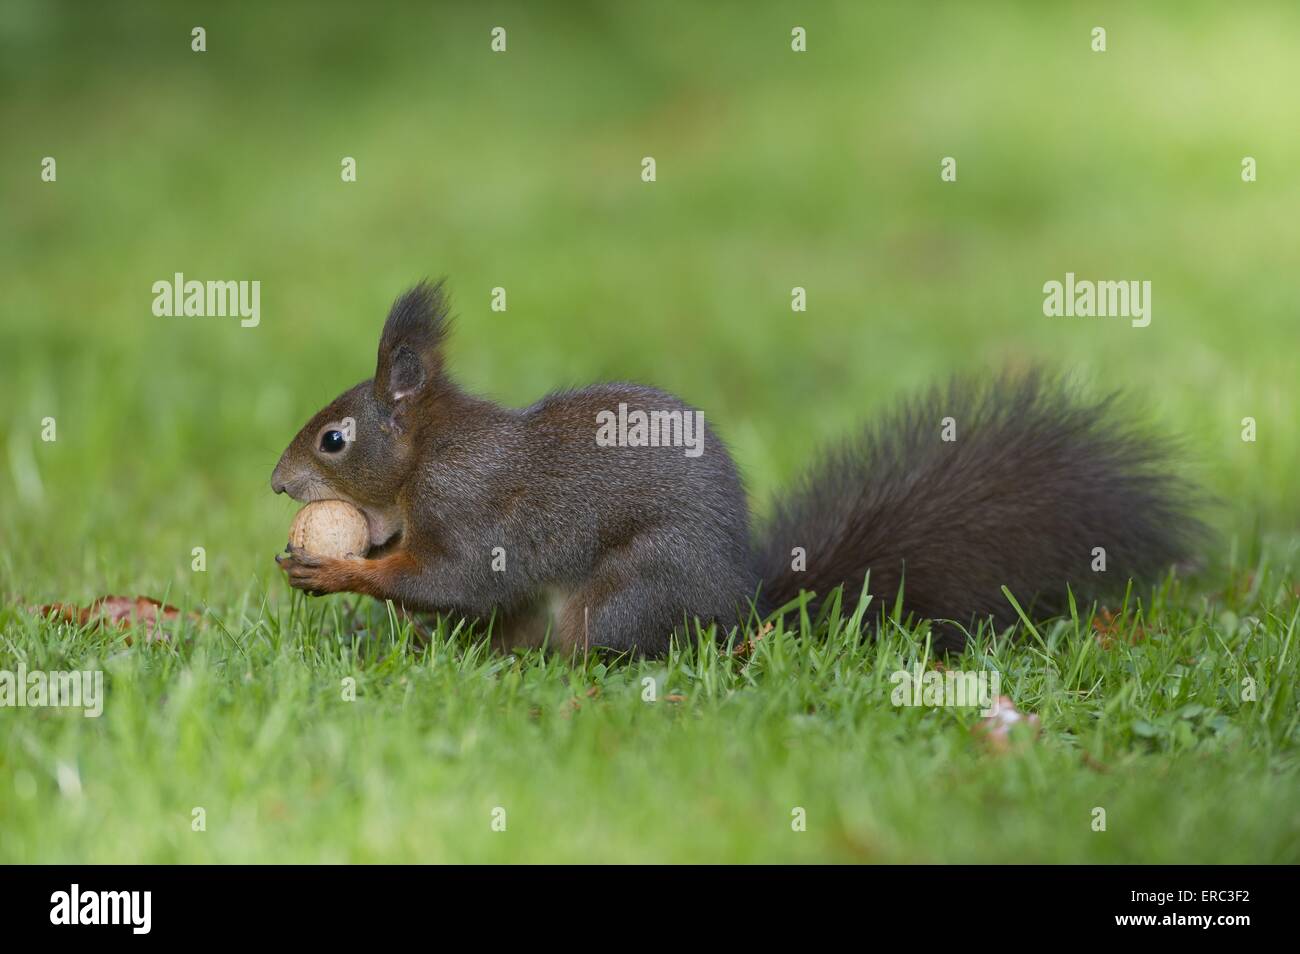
<point>410,349</point>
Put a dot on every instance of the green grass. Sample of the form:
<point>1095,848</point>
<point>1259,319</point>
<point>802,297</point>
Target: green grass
<point>522,170</point>
<point>246,718</point>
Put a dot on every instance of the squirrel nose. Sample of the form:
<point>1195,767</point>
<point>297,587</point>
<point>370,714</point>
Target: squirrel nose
<point>277,485</point>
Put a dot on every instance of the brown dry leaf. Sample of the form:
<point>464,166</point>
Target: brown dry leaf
<point>1111,628</point>
<point>745,648</point>
<point>674,698</point>
<point>122,612</point>
<point>994,731</point>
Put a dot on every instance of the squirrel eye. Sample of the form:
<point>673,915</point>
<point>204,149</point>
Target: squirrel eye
<point>331,442</point>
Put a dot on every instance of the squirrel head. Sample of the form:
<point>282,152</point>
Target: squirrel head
<point>363,445</point>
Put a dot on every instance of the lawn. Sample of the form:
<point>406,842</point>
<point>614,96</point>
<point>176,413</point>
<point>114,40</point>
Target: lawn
<point>323,729</point>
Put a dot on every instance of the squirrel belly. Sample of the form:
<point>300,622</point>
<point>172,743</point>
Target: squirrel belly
<point>613,516</point>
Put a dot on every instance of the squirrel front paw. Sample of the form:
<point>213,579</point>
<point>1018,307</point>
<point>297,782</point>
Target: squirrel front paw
<point>315,575</point>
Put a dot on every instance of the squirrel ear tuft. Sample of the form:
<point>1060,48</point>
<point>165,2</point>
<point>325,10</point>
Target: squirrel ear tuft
<point>410,349</point>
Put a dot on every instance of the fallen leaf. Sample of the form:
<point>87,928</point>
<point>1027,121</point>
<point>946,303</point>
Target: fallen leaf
<point>1111,628</point>
<point>122,612</point>
<point>745,648</point>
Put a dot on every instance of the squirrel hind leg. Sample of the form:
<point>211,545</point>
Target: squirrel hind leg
<point>625,615</point>
<point>641,594</point>
<point>523,627</point>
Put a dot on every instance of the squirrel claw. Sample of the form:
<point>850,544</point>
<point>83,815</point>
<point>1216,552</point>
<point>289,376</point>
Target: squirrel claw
<point>307,573</point>
<point>299,556</point>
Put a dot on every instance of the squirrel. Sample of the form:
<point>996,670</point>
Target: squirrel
<point>527,518</point>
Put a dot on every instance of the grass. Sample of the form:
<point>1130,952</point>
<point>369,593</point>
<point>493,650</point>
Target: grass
<point>246,717</point>
<point>522,170</point>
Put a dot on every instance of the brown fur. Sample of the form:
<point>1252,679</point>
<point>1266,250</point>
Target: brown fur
<point>637,543</point>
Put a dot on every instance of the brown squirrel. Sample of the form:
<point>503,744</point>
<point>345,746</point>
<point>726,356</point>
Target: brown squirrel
<point>518,515</point>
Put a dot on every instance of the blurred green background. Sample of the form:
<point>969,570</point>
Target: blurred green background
<point>775,169</point>
<point>522,170</point>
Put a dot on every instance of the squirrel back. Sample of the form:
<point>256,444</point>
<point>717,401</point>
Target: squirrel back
<point>614,516</point>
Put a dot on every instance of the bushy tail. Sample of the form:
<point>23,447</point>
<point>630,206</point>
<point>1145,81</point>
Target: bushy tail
<point>1034,481</point>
